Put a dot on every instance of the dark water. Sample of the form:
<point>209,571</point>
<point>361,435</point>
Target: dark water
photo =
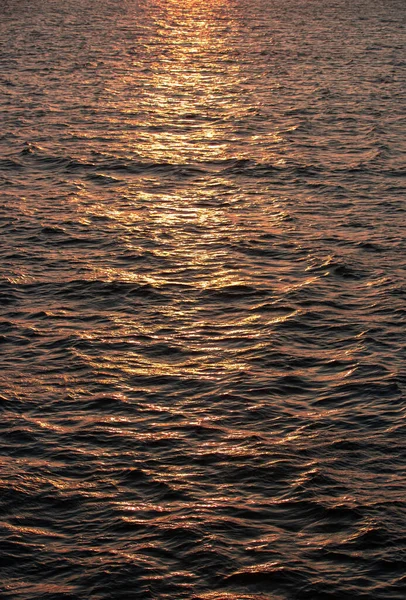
<point>202,300</point>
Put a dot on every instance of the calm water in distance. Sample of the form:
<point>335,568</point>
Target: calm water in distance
<point>202,300</point>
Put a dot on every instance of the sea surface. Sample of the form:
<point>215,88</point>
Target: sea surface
<point>202,300</point>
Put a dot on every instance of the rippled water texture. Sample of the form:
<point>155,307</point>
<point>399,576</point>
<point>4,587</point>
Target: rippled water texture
<point>202,300</point>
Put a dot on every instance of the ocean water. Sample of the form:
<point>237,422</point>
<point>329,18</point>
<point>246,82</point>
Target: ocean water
<point>202,300</point>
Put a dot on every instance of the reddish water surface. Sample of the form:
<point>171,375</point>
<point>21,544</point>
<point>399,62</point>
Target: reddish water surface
<point>202,300</point>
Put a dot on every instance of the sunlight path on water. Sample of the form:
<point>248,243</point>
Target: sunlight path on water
<point>202,300</point>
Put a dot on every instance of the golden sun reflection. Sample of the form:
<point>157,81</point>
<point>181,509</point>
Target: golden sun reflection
<point>193,80</point>
<point>182,221</point>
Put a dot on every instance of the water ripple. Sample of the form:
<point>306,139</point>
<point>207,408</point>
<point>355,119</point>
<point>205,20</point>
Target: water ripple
<point>202,300</point>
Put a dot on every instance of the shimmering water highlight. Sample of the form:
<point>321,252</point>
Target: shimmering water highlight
<point>202,300</point>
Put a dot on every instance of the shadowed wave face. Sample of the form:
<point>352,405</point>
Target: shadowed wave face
<point>202,300</point>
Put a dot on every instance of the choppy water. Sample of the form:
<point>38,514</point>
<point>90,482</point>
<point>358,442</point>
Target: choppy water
<point>202,300</point>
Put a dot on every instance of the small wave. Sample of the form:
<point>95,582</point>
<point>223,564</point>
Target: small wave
<point>9,164</point>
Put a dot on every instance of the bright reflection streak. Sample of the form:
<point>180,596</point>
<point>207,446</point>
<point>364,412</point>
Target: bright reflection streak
<point>196,88</point>
<point>194,113</point>
<point>192,88</point>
